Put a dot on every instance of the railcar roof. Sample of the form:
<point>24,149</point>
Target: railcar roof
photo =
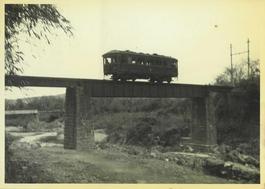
<point>136,54</point>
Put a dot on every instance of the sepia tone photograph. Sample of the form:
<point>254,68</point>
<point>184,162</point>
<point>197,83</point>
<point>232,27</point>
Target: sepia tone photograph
<point>133,92</point>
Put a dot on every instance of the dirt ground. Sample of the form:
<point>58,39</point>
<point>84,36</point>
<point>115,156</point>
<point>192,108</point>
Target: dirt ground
<point>39,157</point>
<point>71,166</point>
<point>54,164</point>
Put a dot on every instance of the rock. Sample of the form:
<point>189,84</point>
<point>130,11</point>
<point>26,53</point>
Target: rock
<point>215,150</point>
<point>240,171</point>
<point>238,157</point>
<point>35,145</point>
<point>231,170</point>
<point>251,160</point>
<point>132,151</point>
<point>190,149</point>
<point>213,166</point>
<point>176,159</point>
<point>24,167</point>
<point>60,136</point>
<point>228,164</point>
<point>153,155</point>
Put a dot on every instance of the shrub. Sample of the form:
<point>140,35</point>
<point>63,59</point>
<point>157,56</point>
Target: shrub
<point>9,139</point>
<point>141,128</point>
<point>238,113</point>
<point>141,133</point>
<point>35,125</point>
<point>39,126</point>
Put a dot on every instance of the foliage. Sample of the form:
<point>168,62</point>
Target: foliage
<point>140,128</point>
<point>106,105</point>
<point>35,126</point>
<point>21,170</point>
<point>39,126</point>
<point>238,112</point>
<point>126,120</point>
<point>34,20</point>
<point>21,120</point>
<point>9,139</point>
<point>240,73</point>
<point>39,103</point>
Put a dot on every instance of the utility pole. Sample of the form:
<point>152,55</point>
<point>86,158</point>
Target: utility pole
<point>238,53</point>
<point>248,57</point>
<point>231,58</point>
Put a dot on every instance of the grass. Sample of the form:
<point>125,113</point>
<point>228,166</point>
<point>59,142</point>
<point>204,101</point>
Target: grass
<point>103,166</point>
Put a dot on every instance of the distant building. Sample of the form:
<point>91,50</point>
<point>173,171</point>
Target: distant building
<point>20,117</point>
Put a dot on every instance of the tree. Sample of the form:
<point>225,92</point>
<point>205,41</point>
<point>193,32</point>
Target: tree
<point>35,20</point>
<point>239,74</point>
<point>20,104</point>
<point>237,112</point>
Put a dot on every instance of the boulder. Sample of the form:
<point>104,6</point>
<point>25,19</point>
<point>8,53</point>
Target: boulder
<point>238,157</point>
<point>231,170</point>
<point>240,171</point>
<point>214,166</point>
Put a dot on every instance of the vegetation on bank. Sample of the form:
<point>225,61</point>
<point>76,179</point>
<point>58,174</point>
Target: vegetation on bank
<point>238,113</point>
<point>99,166</point>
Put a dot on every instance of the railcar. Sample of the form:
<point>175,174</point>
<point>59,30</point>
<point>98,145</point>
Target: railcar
<point>129,65</point>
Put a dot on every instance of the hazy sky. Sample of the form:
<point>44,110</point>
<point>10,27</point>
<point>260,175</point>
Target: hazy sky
<point>197,33</point>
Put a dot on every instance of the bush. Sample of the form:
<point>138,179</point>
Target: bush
<point>141,128</point>
<point>40,126</point>
<point>18,170</point>
<point>238,113</point>
<point>34,126</point>
<point>24,171</point>
<point>141,133</point>
<point>9,139</point>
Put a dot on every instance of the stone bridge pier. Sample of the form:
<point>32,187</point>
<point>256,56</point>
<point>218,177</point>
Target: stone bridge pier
<point>78,133</point>
<point>203,123</point>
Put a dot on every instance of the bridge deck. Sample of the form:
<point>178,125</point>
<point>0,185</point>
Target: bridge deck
<point>108,88</point>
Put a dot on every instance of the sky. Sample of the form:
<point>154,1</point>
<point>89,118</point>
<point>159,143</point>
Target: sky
<point>197,33</point>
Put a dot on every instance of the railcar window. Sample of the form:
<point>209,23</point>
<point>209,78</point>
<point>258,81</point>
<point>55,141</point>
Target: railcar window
<point>168,63</point>
<point>140,61</point>
<point>114,60</point>
<point>129,60</point>
<point>124,60</point>
<point>107,60</point>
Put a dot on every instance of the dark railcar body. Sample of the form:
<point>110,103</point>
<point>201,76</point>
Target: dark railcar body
<point>128,65</point>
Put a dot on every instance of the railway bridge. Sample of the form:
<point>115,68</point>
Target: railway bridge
<point>78,132</point>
